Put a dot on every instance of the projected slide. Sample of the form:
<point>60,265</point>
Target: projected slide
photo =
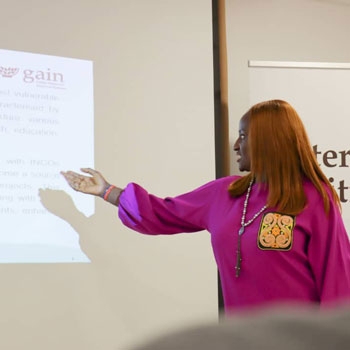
<point>46,125</point>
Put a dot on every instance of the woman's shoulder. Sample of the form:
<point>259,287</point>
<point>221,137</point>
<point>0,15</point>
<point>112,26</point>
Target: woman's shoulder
<point>216,187</point>
<point>315,198</point>
<point>311,190</point>
<point>223,181</point>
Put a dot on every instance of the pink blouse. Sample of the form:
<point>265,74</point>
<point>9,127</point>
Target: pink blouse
<point>285,259</point>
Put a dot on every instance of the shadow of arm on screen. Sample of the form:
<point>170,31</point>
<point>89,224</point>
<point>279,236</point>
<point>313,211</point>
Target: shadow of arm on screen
<point>60,204</point>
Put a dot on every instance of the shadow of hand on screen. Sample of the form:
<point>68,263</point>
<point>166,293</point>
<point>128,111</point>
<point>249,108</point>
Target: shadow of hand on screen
<point>61,204</point>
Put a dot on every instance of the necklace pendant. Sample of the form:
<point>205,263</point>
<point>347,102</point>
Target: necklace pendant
<point>238,266</point>
<point>241,231</point>
<point>238,257</point>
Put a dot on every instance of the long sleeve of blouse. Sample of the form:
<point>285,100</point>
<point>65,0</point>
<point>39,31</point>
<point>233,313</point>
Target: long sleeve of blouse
<point>149,214</point>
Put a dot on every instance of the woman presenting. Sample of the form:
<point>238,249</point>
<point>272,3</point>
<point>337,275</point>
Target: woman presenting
<point>277,232</point>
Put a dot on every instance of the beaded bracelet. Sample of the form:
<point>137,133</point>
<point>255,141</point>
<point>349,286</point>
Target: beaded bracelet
<point>107,192</point>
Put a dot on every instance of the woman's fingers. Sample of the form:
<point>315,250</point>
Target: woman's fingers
<point>91,171</point>
<point>93,184</point>
<point>73,179</point>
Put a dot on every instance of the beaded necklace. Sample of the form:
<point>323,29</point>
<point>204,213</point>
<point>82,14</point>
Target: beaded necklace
<point>243,226</point>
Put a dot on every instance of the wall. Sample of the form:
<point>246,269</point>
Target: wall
<point>154,124</point>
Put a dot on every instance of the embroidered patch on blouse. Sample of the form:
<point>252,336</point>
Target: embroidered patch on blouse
<point>276,232</point>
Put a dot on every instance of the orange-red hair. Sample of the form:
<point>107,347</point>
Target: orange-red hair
<point>281,157</point>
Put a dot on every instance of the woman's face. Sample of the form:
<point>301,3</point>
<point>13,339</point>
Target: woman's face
<point>241,146</point>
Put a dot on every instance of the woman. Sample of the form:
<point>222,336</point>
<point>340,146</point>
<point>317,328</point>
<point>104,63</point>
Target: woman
<point>277,233</point>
